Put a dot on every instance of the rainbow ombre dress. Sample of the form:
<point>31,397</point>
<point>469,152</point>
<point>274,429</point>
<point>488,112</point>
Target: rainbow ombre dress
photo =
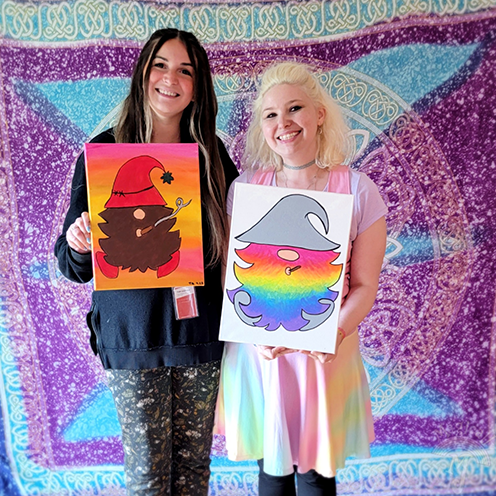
<point>294,410</point>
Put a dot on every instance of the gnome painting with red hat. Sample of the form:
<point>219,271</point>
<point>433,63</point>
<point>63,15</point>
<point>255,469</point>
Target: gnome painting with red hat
<point>138,223</point>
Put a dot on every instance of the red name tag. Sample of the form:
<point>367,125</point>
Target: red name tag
<point>185,304</point>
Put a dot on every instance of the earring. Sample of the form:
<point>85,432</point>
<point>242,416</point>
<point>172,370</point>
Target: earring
<point>317,153</point>
<point>319,129</point>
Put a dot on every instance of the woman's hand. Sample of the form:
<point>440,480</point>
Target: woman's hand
<point>78,234</point>
<point>325,357</point>
<point>320,357</point>
<point>271,352</point>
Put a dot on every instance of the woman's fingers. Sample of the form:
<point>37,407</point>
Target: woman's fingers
<point>265,351</point>
<point>281,350</point>
<point>322,357</point>
<point>78,234</point>
<point>86,223</point>
<point>271,352</point>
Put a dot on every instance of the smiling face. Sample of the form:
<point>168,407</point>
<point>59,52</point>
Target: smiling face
<point>289,123</point>
<point>171,81</point>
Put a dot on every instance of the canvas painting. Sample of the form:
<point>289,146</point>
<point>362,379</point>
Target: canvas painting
<point>145,212</point>
<point>286,266</point>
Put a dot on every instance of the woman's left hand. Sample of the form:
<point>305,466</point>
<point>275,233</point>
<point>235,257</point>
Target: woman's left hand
<point>325,357</point>
<point>272,352</point>
<point>319,356</point>
<point>281,350</point>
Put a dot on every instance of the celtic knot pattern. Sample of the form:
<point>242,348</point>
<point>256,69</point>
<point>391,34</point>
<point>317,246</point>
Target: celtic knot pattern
<point>379,107</point>
<point>203,20</point>
<point>130,21</point>
<point>23,18</point>
<point>467,469</point>
<point>241,21</point>
<point>406,134</point>
<point>235,23</point>
<point>245,481</point>
<point>382,398</point>
<point>307,19</point>
<point>94,18</point>
<point>368,99</point>
<point>414,6</point>
<point>59,23</point>
<point>343,15</point>
<point>269,24</point>
<point>477,4</point>
<point>227,84</point>
<point>164,18</point>
<point>376,11</point>
<point>347,90</point>
<point>449,6</point>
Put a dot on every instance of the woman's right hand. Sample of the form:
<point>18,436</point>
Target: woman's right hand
<point>78,234</point>
<point>271,352</point>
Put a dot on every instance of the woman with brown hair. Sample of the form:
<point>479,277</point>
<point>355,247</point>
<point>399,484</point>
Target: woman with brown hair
<point>163,372</point>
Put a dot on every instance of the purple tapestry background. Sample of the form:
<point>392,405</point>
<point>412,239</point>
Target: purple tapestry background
<point>419,93</point>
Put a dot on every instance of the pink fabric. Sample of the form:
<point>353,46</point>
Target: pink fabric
<point>339,179</point>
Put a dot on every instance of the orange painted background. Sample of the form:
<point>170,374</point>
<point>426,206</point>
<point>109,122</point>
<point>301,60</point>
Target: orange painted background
<point>103,162</point>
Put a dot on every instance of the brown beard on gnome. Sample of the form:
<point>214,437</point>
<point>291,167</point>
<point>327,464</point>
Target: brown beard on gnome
<point>128,248</point>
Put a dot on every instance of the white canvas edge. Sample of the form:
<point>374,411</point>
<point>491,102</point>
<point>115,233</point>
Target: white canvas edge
<point>261,199</point>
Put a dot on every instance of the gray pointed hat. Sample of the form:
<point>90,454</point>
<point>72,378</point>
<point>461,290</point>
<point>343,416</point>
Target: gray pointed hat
<point>287,224</point>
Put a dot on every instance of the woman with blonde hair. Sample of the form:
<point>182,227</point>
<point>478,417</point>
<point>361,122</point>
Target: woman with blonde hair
<point>298,412</point>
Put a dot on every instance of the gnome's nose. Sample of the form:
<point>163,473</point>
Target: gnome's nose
<point>289,255</point>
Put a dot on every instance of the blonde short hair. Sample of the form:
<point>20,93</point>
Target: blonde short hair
<point>332,135</point>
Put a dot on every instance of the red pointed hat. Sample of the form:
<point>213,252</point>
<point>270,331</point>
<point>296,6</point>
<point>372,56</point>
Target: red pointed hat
<point>133,186</point>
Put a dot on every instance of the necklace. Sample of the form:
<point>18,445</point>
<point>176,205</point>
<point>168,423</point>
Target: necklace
<point>299,167</point>
<point>312,182</point>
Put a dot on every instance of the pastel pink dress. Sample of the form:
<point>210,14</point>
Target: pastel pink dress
<point>294,410</point>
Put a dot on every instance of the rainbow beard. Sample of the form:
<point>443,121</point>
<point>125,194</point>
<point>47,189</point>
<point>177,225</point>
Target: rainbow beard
<point>276,292</point>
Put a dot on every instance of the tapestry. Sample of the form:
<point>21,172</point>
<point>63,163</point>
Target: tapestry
<point>416,81</point>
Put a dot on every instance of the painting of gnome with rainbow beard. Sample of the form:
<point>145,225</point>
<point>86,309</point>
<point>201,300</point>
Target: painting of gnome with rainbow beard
<point>285,273</point>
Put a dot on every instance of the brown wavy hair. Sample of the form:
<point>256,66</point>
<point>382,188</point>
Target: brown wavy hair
<point>198,124</point>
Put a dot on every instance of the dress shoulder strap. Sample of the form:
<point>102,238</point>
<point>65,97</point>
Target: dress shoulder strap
<point>339,180</point>
<point>262,177</point>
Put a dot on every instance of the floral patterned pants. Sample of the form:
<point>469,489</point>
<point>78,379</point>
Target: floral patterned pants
<point>167,416</point>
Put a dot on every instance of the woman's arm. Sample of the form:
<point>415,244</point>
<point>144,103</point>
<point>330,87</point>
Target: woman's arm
<point>366,261</point>
<point>71,248</point>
